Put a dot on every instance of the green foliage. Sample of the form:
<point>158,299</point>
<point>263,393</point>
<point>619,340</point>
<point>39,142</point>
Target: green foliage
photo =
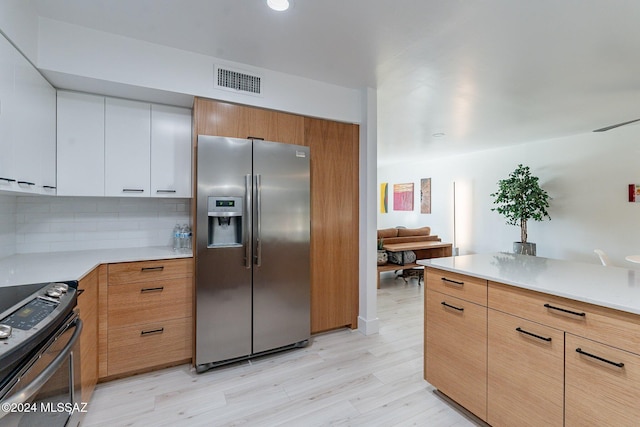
<point>520,198</point>
<point>380,244</point>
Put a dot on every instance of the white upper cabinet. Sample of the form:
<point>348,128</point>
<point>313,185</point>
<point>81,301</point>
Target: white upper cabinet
<point>127,148</point>
<point>27,126</point>
<point>170,151</point>
<point>8,58</point>
<point>123,148</point>
<point>80,144</point>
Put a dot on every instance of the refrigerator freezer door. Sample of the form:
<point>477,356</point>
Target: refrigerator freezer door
<point>281,278</point>
<point>223,275</point>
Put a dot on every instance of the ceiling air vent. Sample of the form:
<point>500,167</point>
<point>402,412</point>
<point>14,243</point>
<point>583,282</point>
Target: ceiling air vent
<point>238,81</point>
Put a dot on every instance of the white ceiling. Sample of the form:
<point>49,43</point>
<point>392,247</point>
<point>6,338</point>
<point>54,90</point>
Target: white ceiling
<point>484,72</point>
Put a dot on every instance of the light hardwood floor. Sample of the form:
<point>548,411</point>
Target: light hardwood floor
<point>342,378</point>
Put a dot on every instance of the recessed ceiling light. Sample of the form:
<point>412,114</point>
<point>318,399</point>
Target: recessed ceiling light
<point>279,5</point>
<point>438,135</point>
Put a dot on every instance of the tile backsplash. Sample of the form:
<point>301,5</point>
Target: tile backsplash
<point>7,225</point>
<point>54,224</point>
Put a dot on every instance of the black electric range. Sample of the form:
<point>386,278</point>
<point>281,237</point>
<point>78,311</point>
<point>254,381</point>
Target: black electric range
<point>29,315</point>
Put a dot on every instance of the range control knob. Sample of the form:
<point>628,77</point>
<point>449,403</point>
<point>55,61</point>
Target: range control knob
<point>62,287</point>
<point>5,332</point>
<point>53,292</point>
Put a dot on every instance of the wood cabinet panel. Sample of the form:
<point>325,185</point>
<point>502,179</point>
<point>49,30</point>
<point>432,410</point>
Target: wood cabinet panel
<point>88,307</point>
<point>613,327</point>
<point>334,224</point>
<point>599,393</point>
<point>149,302</point>
<point>458,285</point>
<point>149,271</point>
<point>239,121</point>
<point>456,350</point>
<point>142,346</point>
<point>525,384</point>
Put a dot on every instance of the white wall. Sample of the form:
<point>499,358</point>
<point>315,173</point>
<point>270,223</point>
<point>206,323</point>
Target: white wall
<point>53,224</point>
<point>586,175</point>
<point>79,52</point>
<point>7,225</point>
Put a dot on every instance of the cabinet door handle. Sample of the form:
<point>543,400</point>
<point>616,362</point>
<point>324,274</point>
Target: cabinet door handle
<point>165,191</point>
<point>547,339</point>
<point>452,306</point>
<point>132,190</point>
<point>151,332</point>
<point>149,269</point>
<point>455,282</point>
<point>147,290</point>
<point>602,359</point>
<point>50,187</point>
<point>7,179</point>
<point>564,310</point>
<point>26,183</point>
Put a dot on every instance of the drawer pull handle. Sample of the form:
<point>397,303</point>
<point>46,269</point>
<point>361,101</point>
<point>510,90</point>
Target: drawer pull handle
<point>455,282</point>
<point>602,359</point>
<point>26,183</point>
<point>132,190</point>
<point>452,306</point>
<point>49,187</point>
<point>165,191</point>
<point>147,290</point>
<point>148,269</point>
<point>151,332</point>
<point>564,310</point>
<point>7,179</point>
<point>547,339</point>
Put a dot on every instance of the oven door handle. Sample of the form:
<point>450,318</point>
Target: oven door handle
<point>25,394</point>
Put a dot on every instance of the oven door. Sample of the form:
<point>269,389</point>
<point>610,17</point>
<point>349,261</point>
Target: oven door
<point>46,390</point>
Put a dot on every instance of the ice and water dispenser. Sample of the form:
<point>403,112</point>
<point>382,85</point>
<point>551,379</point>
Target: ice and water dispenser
<point>225,221</point>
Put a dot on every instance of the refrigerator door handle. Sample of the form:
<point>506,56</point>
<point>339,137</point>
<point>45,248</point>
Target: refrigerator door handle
<point>247,221</point>
<point>258,220</point>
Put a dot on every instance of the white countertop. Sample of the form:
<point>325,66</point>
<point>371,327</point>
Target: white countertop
<point>613,287</point>
<point>23,269</point>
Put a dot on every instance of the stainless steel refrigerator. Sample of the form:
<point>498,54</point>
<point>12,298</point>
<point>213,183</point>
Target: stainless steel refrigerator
<point>252,249</point>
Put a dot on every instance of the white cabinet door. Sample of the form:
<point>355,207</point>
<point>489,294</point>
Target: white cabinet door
<point>8,58</point>
<point>127,148</point>
<point>80,144</point>
<point>170,151</point>
<point>33,112</point>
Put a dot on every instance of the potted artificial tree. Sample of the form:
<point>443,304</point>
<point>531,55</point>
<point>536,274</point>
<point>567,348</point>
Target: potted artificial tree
<point>519,199</point>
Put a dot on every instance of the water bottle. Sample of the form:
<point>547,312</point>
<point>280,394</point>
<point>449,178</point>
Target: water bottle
<point>188,240</point>
<point>176,238</point>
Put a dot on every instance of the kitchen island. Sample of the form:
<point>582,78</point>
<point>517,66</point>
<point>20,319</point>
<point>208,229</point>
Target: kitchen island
<point>518,340</point>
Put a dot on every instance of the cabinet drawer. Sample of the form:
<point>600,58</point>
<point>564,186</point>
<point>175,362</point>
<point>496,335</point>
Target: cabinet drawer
<point>613,327</point>
<point>456,350</point>
<point>458,285</point>
<point>148,271</point>
<point>152,344</point>
<point>599,393</point>
<point>149,302</point>
<point>525,372</point>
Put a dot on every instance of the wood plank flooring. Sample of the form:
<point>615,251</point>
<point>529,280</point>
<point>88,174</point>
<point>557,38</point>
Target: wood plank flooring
<point>342,378</point>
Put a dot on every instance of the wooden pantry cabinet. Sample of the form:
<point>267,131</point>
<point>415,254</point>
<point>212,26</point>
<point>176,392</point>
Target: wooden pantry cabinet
<point>149,321</point>
<point>334,196</point>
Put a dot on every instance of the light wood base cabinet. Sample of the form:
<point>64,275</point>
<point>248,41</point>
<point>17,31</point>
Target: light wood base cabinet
<point>602,384</point>
<point>525,385</point>
<point>88,307</point>
<point>456,350</point>
<point>148,315</point>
